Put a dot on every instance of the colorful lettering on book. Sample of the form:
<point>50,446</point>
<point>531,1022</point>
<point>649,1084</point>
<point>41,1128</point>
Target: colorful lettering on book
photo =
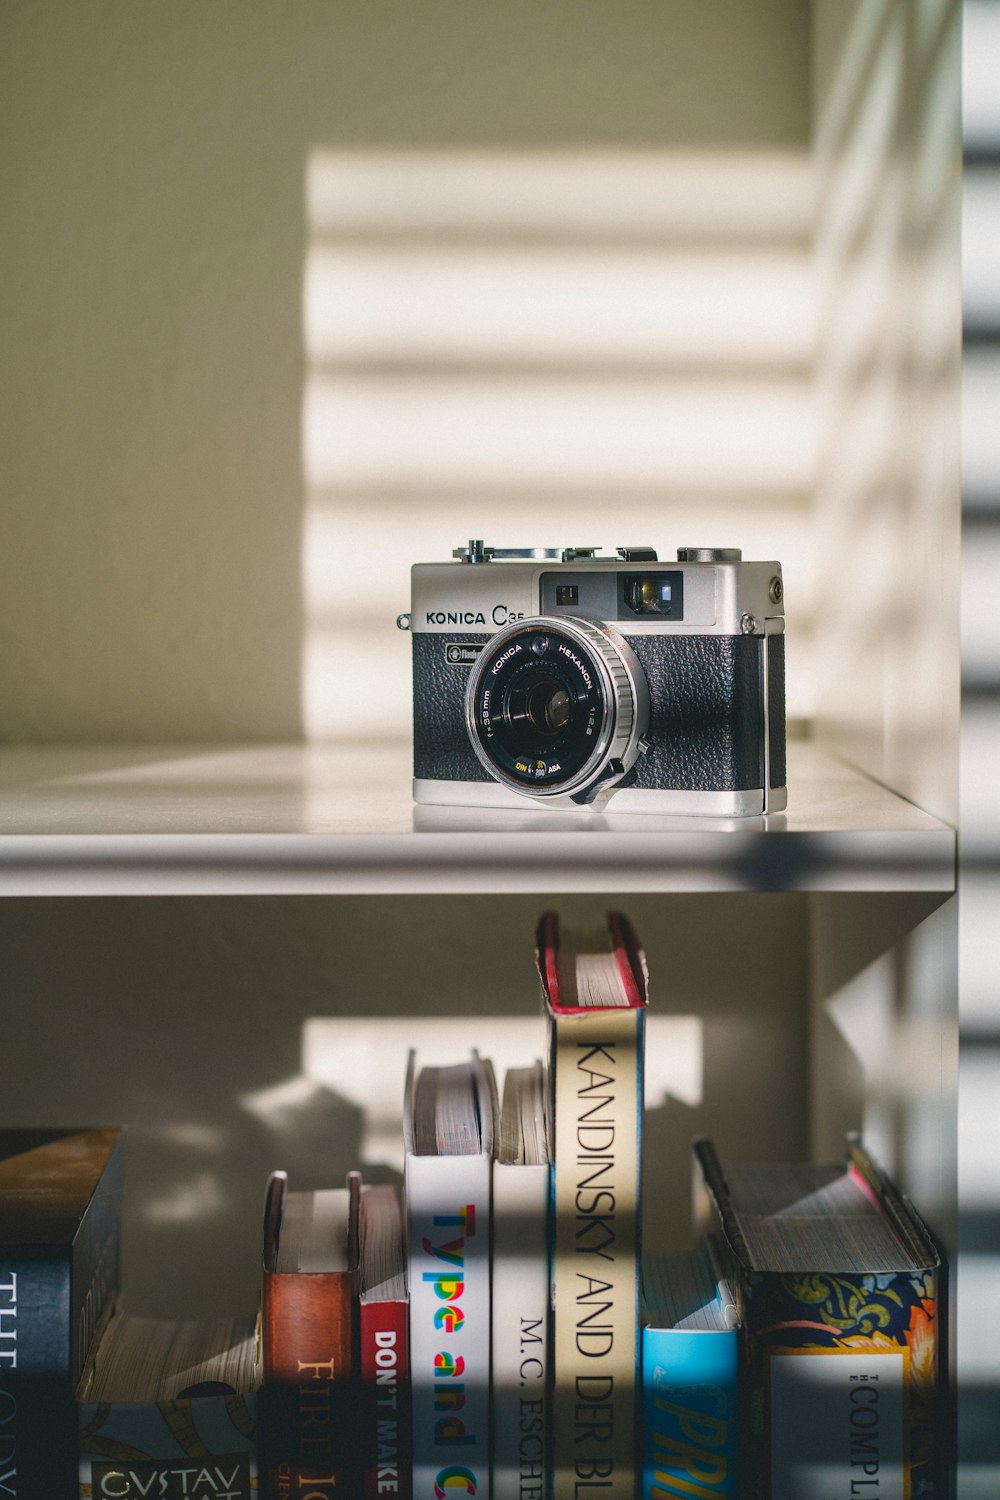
<point>454,1481</point>
<point>690,1454</point>
<point>449,1391</point>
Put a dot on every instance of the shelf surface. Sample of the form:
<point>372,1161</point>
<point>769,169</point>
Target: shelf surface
<point>313,819</point>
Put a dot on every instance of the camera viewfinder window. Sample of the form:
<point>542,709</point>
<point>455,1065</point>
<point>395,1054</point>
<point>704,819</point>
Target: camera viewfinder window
<point>654,594</point>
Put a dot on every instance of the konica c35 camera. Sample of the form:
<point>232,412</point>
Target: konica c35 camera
<point>563,678</point>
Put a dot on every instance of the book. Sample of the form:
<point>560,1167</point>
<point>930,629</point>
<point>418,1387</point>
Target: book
<point>690,1360</point>
<point>385,1346</point>
<point>60,1272</point>
<point>309,1339</point>
<point>449,1128</point>
<point>595,991</point>
<point>839,1287</point>
<point>168,1409</point>
<point>521,1204</point>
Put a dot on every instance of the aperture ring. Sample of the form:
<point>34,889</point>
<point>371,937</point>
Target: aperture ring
<point>622,693</point>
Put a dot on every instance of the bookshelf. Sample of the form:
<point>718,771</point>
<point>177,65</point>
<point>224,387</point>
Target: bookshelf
<point>260,911</point>
<point>196,882</point>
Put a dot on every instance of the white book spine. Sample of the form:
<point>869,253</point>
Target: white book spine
<point>521,1295</point>
<point>448,1213</point>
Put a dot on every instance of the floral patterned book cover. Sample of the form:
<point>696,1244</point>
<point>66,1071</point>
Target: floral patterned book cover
<point>840,1288</point>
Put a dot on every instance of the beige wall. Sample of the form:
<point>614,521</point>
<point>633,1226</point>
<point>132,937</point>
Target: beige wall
<point>152,362</point>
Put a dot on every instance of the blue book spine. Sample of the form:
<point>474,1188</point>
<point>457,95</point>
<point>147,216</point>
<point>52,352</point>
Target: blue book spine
<point>689,1413</point>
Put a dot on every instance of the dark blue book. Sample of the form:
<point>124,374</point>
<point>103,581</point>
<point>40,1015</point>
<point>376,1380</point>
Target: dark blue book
<point>60,1270</point>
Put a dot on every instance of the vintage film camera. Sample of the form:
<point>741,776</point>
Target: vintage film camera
<point>562,678</point>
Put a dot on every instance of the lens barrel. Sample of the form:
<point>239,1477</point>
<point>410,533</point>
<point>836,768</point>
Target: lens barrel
<point>556,706</point>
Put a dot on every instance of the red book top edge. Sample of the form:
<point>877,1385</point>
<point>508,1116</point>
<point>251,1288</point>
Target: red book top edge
<point>548,948</point>
<point>628,956</point>
<point>860,1181</point>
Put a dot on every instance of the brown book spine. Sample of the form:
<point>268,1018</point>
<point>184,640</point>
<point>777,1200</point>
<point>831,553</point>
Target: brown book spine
<point>309,1396</point>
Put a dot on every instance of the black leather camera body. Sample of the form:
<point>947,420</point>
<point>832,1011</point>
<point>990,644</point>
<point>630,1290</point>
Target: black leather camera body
<point>567,679</point>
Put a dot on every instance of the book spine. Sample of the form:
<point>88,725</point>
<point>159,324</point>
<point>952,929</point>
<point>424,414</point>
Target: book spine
<point>596,1072</point>
<point>202,1448</point>
<point>54,1300</point>
<point>520,1330</point>
<point>448,1228</point>
<point>308,1404</point>
<point>689,1413</point>
<point>37,1417</point>
<point>385,1396</point>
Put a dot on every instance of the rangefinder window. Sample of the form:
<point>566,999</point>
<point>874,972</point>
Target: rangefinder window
<point>593,594</point>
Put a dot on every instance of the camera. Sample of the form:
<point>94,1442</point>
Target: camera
<point>562,677</point>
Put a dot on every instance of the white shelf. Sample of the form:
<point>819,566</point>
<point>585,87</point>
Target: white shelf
<point>295,819</point>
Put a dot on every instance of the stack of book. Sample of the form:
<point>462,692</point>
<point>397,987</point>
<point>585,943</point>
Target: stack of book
<point>93,1401</point>
<point>491,1325</point>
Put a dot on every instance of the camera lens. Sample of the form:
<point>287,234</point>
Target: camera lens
<point>551,704</point>
<point>545,706</point>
